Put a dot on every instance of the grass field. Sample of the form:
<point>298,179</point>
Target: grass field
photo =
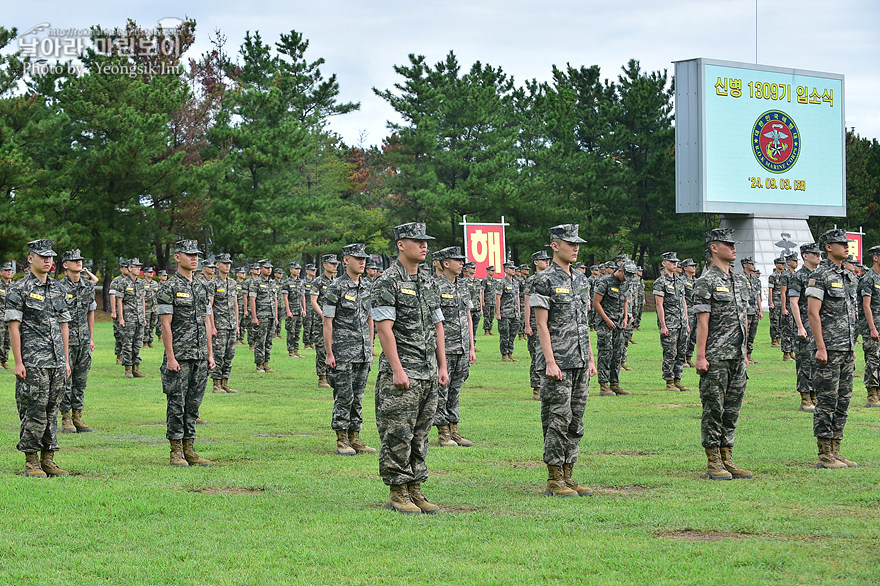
<point>280,507</point>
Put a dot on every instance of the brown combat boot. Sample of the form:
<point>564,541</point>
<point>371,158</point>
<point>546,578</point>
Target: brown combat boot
<point>267,369</point>
<point>48,465</point>
<point>788,356</point>
<point>119,360</point>
<point>189,453</point>
<point>670,386</point>
<point>826,456</point>
<point>4,366</point>
<point>419,499</point>
<point>354,440</point>
<point>775,343</point>
<point>309,347</point>
<point>251,347</point>
<point>581,490</point>
<point>536,393</point>
<point>200,421</point>
<point>177,458</point>
<point>290,354</point>
<point>67,425</point>
<point>556,484</point>
<point>32,468</point>
<point>605,390</point>
<point>835,451</point>
<point>690,362</point>
<point>443,438</point>
<point>218,388</point>
<point>260,368</point>
<point>400,501</point>
<point>136,371</point>
<point>504,358</point>
<point>806,404</point>
<point>735,471</point>
<point>618,390</point>
<point>715,469</point>
<point>679,386</point>
<point>873,398</point>
<point>296,354</point>
<point>752,360</point>
<point>510,358</point>
<point>625,367</point>
<point>813,398</point>
<point>457,437</point>
<point>225,384</point>
<point>343,448</point>
<point>323,382</point>
<point>128,373</point>
<point>78,423</point>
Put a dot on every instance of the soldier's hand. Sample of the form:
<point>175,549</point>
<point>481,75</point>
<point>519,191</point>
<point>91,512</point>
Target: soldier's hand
<point>760,315</point>
<point>303,312</point>
<point>67,369</point>
<point>20,371</point>
<point>330,360</point>
<point>255,321</point>
<point>554,372</point>
<point>213,332</point>
<point>401,381</point>
<point>172,365</point>
<point>875,335</point>
<point>611,325</point>
<point>497,316</point>
<point>472,356</point>
<point>664,331</point>
<point>702,365</point>
<point>802,333</point>
<point>528,330</point>
<point>121,322</point>
<point>822,356</point>
<point>211,364</point>
<point>92,345</point>
<point>289,315</point>
<point>785,311</point>
<point>593,372</point>
<point>443,377</point>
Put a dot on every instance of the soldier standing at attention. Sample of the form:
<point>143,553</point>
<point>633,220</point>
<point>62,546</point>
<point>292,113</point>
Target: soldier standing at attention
<point>406,308</point>
<point>5,284</point>
<point>542,261</point>
<point>565,362</point>
<point>264,313</point>
<point>131,310</point>
<point>507,311</point>
<point>786,323</point>
<point>630,271</point>
<point>251,284</point>
<point>869,325</point>
<point>689,268</point>
<point>591,283</point>
<point>455,303</point>
<point>242,298</point>
<point>721,298</point>
<point>162,276</point>
<point>115,286</point>
<point>293,293</point>
<point>474,289</point>
<point>329,263</point>
<point>774,300</point>
<point>151,308</point>
<point>186,335</point>
<point>755,313</point>
<point>348,338</point>
<point>224,317</point>
<point>487,300</point>
<point>522,275</point>
<point>80,298</point>
<point>669,292</point>
<point>609,301</point>
<point>37,314</point>
<point>804,359</point>
<point>832,321</point>
<point>640,301</point>
<point>278,284</point>
<point>309,320</point>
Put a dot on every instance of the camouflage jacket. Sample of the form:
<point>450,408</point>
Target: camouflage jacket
<point>797,286</point>
<point>187,303</point>
<point>412,302</point>
<point>774,281</point>
<point>295,289</point>
<point>672,290</point>
<point>529,289</point>
<point>348,304</point>
<point>473,286</point>
<point>263,292</point>
<point>80,301</point>
<point>754,282</point>
<point>828,284</point>
<point>489,287</point>
<point>115,285</point>
<point>565,298</point>
<point>223,305</point>
<point>131,291</point>
<point>725,297</point>
<point>4,288</point>
<point>41,308</point>
<point>455,303</point>
<point>204,282</point>
<point>151,289</point>
<point>869,286</point>
<point>307,291</point>
<point>319,288</point>
<point>689,292</point>
<point>613,294</point>
<point>241,293</point>
<point>508,288</point>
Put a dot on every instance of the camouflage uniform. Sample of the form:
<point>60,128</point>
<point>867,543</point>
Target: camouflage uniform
<point>4,328</point>
<point>672,290</point>
<point>318,290</point>
<point>754,282</point>
<point>521,282</point>
<point>263,293</point>
<point>474,285</point>
<point>805,356</point>
<point>632,288</point>
<point>639,306</point>
<point>222,296</point>
<point>787,329</point>
<point>309,319</point>
<point>241,293</point>
<point>869,286</point>
<point>774,282</point>
<point>591,287</point>
<point>294,289</point>
<point>80,299</point>
<point>251,286</point>
<point>115,286</point>
<point>131,291</point>
<point>691,314</point>
<point>508,289</point>
<point>278,285</point>
<point>151,288</point>
<point>488,287</point>
<point>455,303</point>
<point>532,345</point>
<point>610,343</point>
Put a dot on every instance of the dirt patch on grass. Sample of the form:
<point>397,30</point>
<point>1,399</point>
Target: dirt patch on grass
<point>621,490</point>
<point>319,398</point>
<point>228,490</point>
<point>694,535</point>
<point>284,435</point>
<point>436,472</point>
<point>152,425</point>
<point>457,509</point>
<point>669,406</point>
<point>627,454</point>
<point>527,465</point>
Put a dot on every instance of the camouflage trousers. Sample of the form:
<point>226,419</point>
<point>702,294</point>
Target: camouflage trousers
<point>293,325</point>
<point>321,368</point>
<point>562,415</point>
<point>75,387</point>
<point>692,334</point>
<point>674,346</point>
<point>871,348</point>
<point>627,338</point>
<point>521,323</point>
<point>184,392</point>
<point>132,339</point>
<point>348,379</point>
<point>636,318</point>
<point>833,385</point>
<point>475,318</point>
<point>251,332</point>
<point>488,317</point>
<point>117,336</point>
<point>610,345</point>
<point>750,339</point>
<point>593,318</point>
<point>721,392</point>
<point>459,367</point>
<point>152,317</point>
<point>278,326</point>
<point>4,342</point>
<point>507,334</point>
<point>37,397</point>
<point>309,327</point>
<point>224,351</point>
<point>787,332</point>
<point>404,418</point>
<point>775,314</point>
<point>805,364</point>
<point>263,334</point>
<point>242,322</point>
<point>532,345</point>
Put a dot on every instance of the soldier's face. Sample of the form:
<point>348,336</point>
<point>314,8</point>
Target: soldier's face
<point>294,273</point>
<point>837,250</point>
<point>413,250</point>
<point>134,272</point>
<point>811,258</point>
<point>453,265</point>
<point>371,273</point>
<point>209,272</point>
<point>40,265</point>
<point>310,274</point>
<point>265,271</point>
<point>691,271</point>
<point>355,265</point>
<point>124,271</point>
<point>566,251</point>
<point>330,268</point>
<point>792,264</point>
<point>6,274</point>
<point>542,264</point>
<point>163,278</point>
<point>726,251</point>
<point>187,262</point>
<point>74,266</point>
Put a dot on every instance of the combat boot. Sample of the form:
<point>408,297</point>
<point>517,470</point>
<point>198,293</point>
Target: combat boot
<point>177,458</point>
<point>735,471</point>
<point>78,423</point>
<point>200,421</point>
<point>806,404</point>
<point>267,369</point>
<point>618,390</point>
<point>136,371</point>
<point>690,362</point>
<point>296,354</point>
<point>67,425</point>
<point>354,440</point>
<point>4,366</point>
<point>873,398</point>
<point>118,360</point>
<point>218,387</point>
<point>556,484</point>
<point>189,454</point>
<point>679,386</point>
<point>251,347</point>
<point>670,386</point>
<point>536,393</point>
<point>290,354</point>
<point>813,398</point>
<point>775,343</point>
<point>443,438</point>
<point>128,373</point>
<point>419,499</point>
<point>48,465</point>
<point>260,368</point>
<point>581,490</point>
<point>343,448</point>
<point>323,382</point>
<point>504,358</point>
<point>826,456</point>
<point>715,469</point>
<point>457,437</point>
<point>788,356</point>
<point>510,358</point>
<point>32,468</point>
<point>605,390</point>
<point>225,384</point>
<point>309,347</point>
<point>835,451</point>
<point>625,367</point>
<point>752,360</point>
<point>400,501</point>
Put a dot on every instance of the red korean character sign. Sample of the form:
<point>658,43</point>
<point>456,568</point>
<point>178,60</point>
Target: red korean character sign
<point>485,246</point>
<point>855,244</point>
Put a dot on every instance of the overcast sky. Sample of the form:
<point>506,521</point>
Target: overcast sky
<point>361,41</point>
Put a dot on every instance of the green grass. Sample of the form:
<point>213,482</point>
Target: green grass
<point>279,506</point>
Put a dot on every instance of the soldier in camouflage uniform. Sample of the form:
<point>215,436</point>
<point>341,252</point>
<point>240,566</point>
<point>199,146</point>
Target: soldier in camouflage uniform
<point>565,360</point>
<point>37,314</point>
<point>474,287</point>
<point>639,301</point>
<point>507,311</point>
<point>184,316</point>
<point>223,300</point>
<point>348,338</point>
<point>591,283</point>
<point>610,302</point>
<point>264,313</point>
<point>5,284</point>
<point>774,300</point>
<point>151,288</point>
<point>487,300</point>
<point>521,276</point>
<point>131,308</point>
<point>689,268</point>
<point>319,287</point>
<point>669,292</point>
<point>406,308</point>
<point>755,313</point>
<point>721,300</point>
<point>241,296</point>
<point>542,261</point>
<point>805,361</point>
<point>632,290</point>
<point>80,298</point>
<point>115,285</point>
<point>162,276</point>
<point>251,284</point>
<point>455,303</point>
<point>309,319</point>
<point>278,273</point>
<point>294,294</point>
<point>786,323</point>
<point>868,301</point>
<point>832,319</point>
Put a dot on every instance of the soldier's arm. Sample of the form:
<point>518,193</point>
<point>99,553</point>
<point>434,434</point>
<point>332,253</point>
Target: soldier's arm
<point>144,308</point>
<point>527,314</point>
<point>119,312</point>
<point>327,315</point>
<point>597,305</point>
<point>287,311</point>
<point>869,316</point>
<point>209,328</point>
<point>113,305</point>
<point>541,319</point>
<point>65,338</point>
<point>814,304</point>
<point>784,297</point>
<point>702,336</point>
<point>472,350</point>
<point>314,300</point>
<point>90,320</point>
<point>440,353</point>
<point>302,302</point>
<point>253,304</point>
<point>15,346</point>
<point>770,297</point>
<point>796,315</point>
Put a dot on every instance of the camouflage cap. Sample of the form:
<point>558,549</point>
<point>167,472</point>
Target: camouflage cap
<point>510,265</point>
<point>609,264</point>
<point>310,266</point>
<point>411,231</point>
<point>669,257</point>
<point>357,250</point>
<point>874,251</point>
<point>578,265</point>
<point>278,271</point>
<point>371,264</point>
<point>791,256</point>
<point>490,268</point>
<point>630,268</point>
<point>473,265</point>
<point>41,247</point>
<point>567,232</point>
<point>747,261</point>
<point>294,265</point>
<point>123,264</point>
<point>621,258</point>
<point>210,264</point>
<point>135,262</point>
<point>149,270</point>
<point>449,253</point>
<point>688,262</point>
<point>7,266</point>
<point>242,270</point>
<point>720,235</point>
<point>833,236</point>
<point>524,268</point>
<point>757,271</point>
<point>187,247</point>
<point>331,258</point>
<point>224,258</point>
<point>850,259</point>
<point>540,255</point>
<point>265,263</point>
<point>73,254</point>
<point>594,268</point>
<point>780,260</point>
<point>163,273</point>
